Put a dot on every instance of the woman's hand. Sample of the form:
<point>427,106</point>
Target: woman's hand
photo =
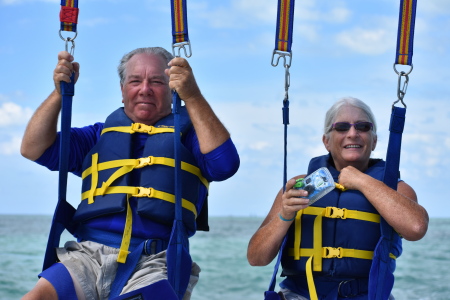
<point>290,201</point>
<point>351,178</point>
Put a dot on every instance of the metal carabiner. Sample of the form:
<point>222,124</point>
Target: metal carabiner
<point>401,90</point>
<point>182,46</point>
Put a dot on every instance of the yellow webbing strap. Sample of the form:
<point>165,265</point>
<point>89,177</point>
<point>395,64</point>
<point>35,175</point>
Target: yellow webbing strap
<point>317,244</point>
<point>310,280</point>
<point>129,164</point>
<point>298,234</point>
<point>126,238</point>
<point>327,212</point>
<point>330,252</point>
<point>144,192</point>
<point>94,179</point>
<point>140,128</point>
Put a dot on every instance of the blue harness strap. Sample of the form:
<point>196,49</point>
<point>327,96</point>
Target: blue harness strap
<point>283,42</point>
<point>64,211</point>
<point>60,278</point>
<point>381,278</point>
<point>179,261</point>
<point>158,290</point>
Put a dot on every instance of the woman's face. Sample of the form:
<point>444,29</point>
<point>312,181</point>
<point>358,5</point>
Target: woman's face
<point>352,147</point>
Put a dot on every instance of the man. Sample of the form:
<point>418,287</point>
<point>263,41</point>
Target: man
<point>112,195</point>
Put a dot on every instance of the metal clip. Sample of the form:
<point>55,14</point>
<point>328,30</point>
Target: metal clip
<point>330,252</point>
<point>144,192</point>
<point>287,82</point>
<point>144,161</point>
<point>182,46</point>
<point>335,212</point>
<point>401,90</point>
<point>284,55</point>
<point>69,40</point>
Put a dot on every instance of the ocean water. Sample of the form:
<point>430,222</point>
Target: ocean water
<point>423,271</point>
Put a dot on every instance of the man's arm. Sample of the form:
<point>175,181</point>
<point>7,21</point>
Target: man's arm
<point>41,129</point>
<point>210,131</point>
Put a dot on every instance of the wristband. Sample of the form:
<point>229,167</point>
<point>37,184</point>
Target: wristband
<point>286,220</point>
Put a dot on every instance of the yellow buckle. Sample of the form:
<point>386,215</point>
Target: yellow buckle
<point>145,161</point>
<point>144,192</point>
<point>141,128</point>
<point>335,212</point>
<point>330,252</point>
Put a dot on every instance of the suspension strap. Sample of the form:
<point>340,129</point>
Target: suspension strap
<point>380,278</point>
<point>64,211</point>
<point>405,35</point>
<point>283,42</point>
<point>180,35</point>
<point>179,261</point>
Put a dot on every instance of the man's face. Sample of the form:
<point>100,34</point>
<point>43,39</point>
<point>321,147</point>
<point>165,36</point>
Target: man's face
<point>145,92</point>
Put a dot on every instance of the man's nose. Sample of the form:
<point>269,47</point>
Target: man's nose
<point>146,88</point>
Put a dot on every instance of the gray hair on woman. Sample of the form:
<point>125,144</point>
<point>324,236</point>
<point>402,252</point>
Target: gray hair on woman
<point>166,55</point>
<point>334,110</point>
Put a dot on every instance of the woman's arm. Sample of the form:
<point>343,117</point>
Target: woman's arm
<point>265,243</point>
<point>399,208</point>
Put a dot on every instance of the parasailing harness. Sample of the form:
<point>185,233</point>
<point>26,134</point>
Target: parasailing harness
<point>179,261</point>
<point>380,279</point>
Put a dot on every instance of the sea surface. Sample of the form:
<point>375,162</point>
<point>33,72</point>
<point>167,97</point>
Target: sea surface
<point>423,271</point>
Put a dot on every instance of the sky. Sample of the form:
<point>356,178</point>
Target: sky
<point>340,48</point>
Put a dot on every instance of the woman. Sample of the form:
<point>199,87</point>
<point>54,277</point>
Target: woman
<point>330,251</point>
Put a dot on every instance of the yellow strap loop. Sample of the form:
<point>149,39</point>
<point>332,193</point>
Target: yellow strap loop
<point>94,180</point>
<point>317,261</point>
<point>126,238</point>
<point>140,128</point>
<point>310,280</point>
<point>143,192</point>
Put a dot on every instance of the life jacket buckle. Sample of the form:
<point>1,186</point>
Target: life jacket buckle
<point>144,192</point>
<point>141,128</point>
<point>144,161</point>
<point>335,212</point>
<point>330,252</point>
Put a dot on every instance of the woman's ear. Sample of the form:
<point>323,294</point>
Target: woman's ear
<point>325,141</point>
<point>374,144</point>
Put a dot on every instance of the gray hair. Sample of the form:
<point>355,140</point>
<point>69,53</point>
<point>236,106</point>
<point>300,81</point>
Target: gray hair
<point>333,111</point>
<point>166,55</point>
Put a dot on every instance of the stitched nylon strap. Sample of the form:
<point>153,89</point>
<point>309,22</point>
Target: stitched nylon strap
<point>179,21</point>
<point>127,165</point>
<point>142,192</point>
<point>64,212</point>
<point>285,22</point>
<point>140,128</point>
<point>405,36</point>
<point>68,15</point>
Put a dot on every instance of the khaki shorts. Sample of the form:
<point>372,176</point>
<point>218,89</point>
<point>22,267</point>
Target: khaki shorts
<point>94,267</point>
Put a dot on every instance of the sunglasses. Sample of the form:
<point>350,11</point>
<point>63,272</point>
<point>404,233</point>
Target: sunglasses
<point>345,126</point>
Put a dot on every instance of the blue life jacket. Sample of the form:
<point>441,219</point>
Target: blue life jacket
<point>107,168</point>
<point>340,232</point>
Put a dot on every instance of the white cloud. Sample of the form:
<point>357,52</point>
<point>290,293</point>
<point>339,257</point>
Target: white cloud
<point>11,147</point>
<point>13,114</point>
<point>365,41</point>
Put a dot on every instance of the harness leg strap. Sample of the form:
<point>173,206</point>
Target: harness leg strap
<point>60,278</point>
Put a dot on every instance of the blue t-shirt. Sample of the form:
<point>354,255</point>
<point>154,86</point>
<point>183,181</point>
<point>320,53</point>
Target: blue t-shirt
<point>217,165</point>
